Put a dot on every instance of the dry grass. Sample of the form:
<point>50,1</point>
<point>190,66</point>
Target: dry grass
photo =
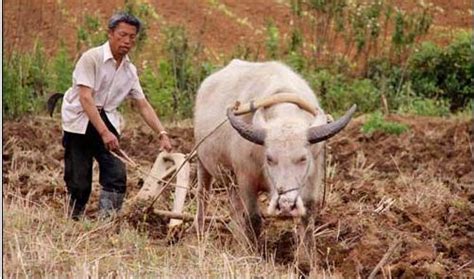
<point>40,241</point>
<point>410,193</point>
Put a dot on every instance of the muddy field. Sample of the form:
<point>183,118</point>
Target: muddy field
<point>412,189</point>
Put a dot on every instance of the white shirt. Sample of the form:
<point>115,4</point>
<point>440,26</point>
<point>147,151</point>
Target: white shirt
<point>96,69</point>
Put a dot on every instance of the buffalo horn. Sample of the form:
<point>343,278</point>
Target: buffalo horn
<point>324,132</point>
<point>250,133</point>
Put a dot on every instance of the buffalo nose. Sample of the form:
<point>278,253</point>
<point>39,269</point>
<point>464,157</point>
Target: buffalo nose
<point>286,204</point>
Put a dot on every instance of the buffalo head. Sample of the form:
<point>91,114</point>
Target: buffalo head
<point>288,160</point>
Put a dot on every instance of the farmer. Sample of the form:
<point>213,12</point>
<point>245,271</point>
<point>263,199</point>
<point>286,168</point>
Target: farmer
<point>103,77</point>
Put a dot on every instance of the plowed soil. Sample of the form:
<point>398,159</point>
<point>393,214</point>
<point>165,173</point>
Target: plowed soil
<point>412,189</point>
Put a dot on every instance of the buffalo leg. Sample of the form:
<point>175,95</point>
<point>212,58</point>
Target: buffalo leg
<point>246,210</point>
<point>204,183</point>
<point>306,254</point>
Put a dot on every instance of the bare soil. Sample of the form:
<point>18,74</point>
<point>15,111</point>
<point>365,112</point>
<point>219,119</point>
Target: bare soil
<point>414,188</point>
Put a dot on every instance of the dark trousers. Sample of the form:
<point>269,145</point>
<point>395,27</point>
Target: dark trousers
<point>80,149</point>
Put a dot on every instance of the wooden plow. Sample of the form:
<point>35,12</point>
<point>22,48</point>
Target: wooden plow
<point>170,169</point>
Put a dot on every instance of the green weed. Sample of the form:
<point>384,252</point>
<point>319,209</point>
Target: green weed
<point>146,13</point>
<point>60,70</point>
<point>377,122</point>
<point>25,82</point>
<point>426,107</point>
<point>272,42</point>
<point>91,33</point>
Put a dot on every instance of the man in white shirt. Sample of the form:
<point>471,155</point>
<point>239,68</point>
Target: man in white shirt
<point>102,79</point>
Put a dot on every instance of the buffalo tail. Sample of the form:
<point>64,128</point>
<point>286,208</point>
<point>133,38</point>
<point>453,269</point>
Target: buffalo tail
<point>52,100</point>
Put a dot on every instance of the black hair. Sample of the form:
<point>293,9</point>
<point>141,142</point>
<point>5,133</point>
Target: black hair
<point>126,18</point>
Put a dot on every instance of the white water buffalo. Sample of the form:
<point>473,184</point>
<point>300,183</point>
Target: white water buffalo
<point>278,149</point>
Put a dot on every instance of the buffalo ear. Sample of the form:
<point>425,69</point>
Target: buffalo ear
<point>320,119</point>
<point>259,120</point>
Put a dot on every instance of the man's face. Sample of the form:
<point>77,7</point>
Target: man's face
<point>122,39</point>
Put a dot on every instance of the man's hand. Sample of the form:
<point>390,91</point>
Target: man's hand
<point>110,140</point>
<point>152,120</point>
<point>165,143</point>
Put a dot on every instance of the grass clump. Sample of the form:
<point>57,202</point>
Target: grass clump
<point>425,107</point>
<point>377,122</point>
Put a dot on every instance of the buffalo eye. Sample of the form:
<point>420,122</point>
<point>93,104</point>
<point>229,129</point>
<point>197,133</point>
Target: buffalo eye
<point>271,161</point>
<point>301,160</point>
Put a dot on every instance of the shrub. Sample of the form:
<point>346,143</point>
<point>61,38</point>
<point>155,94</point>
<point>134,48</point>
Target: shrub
<point>158,85</point>
<point>60,69</point>
<point>337,94</point>
<point>37,74</point>
<point>25,79</point>
<point>172,90</point>
<point>16,95</point>
<point>295,57</point>
<point>444,73</point>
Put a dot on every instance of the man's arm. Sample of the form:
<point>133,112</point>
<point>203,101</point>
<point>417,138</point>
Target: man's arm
<point>88,104</point>
<point>152,120</point>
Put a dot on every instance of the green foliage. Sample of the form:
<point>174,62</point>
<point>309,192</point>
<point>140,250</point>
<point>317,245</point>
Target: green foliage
<point>37,78</point>
<point>25,81</point>
<point>91,33</point>
<point>296,40</point>
<point>174,101</point>
<point>295,58</point>
<point>296,7</point>
<point>173,89</point>
<point>60,70</point>
<point>390,79</point>
<point>244,52</point>
<point>17,96</point>
<point>272,41</point>
<point>159,86</point>
<point>179,58</point>
<point>444,73</point>
<point>426,107</point>
<point>146,13</point>
<point>363,26</point>
<point>408,27</point>
<point>337,94</point>
<point>296,61</point>
<point>377,122</point>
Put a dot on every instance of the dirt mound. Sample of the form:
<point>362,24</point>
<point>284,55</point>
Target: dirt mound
<point>412,189</point>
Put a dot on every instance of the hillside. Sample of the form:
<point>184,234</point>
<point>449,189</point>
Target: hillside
<point>218,25</point>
